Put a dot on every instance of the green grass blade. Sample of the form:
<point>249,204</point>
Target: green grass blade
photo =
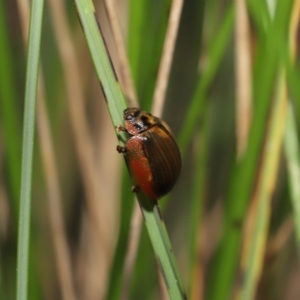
<point>115,100</point>
<point>292,152</point>
<point>257,235</point>
<point>197,207</point>
<point>27,152</point>
<point>162,248</point>
<point>241,182</point>
<point>293,82</point>
<point>259,11</point>
<point>197,106</point>
<point>9,113</point>
<point>116,104</point>
<point>147,28</point>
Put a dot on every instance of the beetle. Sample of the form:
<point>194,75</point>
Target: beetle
<point>151,153</point>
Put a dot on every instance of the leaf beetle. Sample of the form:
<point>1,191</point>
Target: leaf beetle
<point>151,153</point>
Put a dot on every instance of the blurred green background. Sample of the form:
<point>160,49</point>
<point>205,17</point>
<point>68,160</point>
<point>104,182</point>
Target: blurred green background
<point>232,101</point>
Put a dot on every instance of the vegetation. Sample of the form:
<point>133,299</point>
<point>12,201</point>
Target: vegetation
<point>224,75</point>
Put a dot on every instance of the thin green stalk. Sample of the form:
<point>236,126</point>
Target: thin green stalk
<point>9,113</point>
<point>215,54</point>
<point>28,139</point>
<point>255,243</point>
<point>197,206</point>
<point>242,180</point>
<point>292,152</point>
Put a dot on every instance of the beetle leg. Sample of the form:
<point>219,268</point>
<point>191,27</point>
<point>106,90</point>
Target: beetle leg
<point>121,149</point>
<point>121,128</point>
<point>135,188</point>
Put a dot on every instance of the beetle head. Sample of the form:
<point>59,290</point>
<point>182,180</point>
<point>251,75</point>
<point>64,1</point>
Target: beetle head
<point>137,121</point>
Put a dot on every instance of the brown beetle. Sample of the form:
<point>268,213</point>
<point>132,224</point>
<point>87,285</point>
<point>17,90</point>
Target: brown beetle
<point>151,153</point>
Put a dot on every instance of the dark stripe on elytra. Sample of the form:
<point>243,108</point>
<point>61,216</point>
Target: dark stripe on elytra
<point>164,159</point>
